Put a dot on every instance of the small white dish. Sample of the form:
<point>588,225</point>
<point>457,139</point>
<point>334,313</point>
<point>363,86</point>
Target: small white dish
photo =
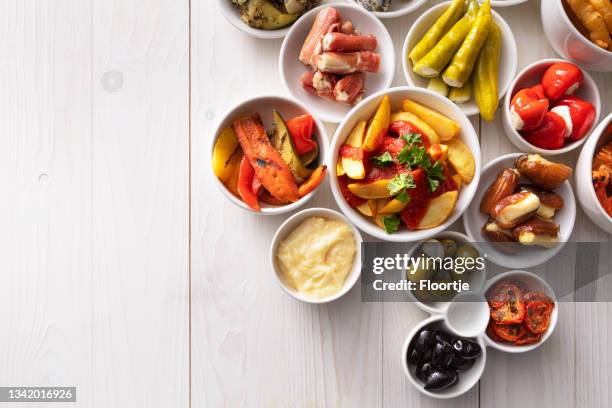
<point>530,76</point>
<point>532,282</point>
<point>568,42</point>
<point>364,111</point>
<point>507,63</point>
<point>476,279</point>
<point>584,184</point>
<point>264,105</point>
<point>474,220</point>
<point>291,69</point>
<point>398,8</point>
<point>468,315</point>
<point>289,226</point>
<point>467,379</point>
<point>505,3</point>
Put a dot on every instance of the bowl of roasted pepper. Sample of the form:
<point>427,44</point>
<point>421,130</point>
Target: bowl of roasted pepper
<point>405,164</point>
<point>268,155</point>
<point>523,311</point>
<point>593,174</point>
<point>464,51</point>
<point>551,107</point>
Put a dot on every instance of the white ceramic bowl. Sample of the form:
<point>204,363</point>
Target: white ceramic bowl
<point>476,279</point>
<point>289,226</point>
<point>467,379</point>
<point>474,220</point>
<point>398,8</point>
<point>364,111</point>
<point>291,69</point>
<point>507,63</point>
<point>535,283</point>
<point>505,3</point>
<point>584,186</point>
<point>264,105</point>
<point>568,42</point>
<point>232,15</point>
<point>531,76</point>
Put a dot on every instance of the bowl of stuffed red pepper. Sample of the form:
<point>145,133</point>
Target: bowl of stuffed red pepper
<point>551,107</point>
<point>268,155</point>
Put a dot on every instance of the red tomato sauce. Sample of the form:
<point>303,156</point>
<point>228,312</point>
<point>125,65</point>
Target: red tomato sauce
<point>351,152</point>
<point>351,199</point>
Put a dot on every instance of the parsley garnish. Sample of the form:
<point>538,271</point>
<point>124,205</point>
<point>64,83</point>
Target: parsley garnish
<point>400,182</point>
<point>391,223</point>
<point>382,160</point>
<point>412,138</point>
<point>414,155</point>
<point>434,176</point>
<point>403,197</point>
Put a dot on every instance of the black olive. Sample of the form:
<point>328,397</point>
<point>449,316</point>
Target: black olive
<point>424,339</point>
<point>440,379</point>
<point>423,370</point>
<point>443,337</point>
<point>462,364</point>
<point>467,349</point>
<point>442,354</point>
<point>414,356</point>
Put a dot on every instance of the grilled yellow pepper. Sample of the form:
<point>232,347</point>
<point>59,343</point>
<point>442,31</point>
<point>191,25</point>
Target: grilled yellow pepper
<point>437,30</point>
<point>461,95</point>
<point>436,59</point>
<point>485,76</point>
<point>462,64</point>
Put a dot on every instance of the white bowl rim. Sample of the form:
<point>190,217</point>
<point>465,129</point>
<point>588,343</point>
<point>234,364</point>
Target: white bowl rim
<point>577,33</point>
<point>390,58</point>
<point>282,232</point>
<point>464,239</point>
<point>598,133</point>
<point>508,348</point>
<point>507,33</point>
<point>506,3</point>
<point>440,319</point>
<point>323,151</point>
<point>366,225</point>
<point>547,253</point>
<point>408,8</point>
<point>247,29</point>
<point>516,136</point>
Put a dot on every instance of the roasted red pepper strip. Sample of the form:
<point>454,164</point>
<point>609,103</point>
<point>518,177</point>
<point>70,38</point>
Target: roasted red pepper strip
<point>528,108</point>
<point>550,134</point>
<point>561,78</point>
<point>581,112</point>
<point>245,184</point>
<point>300,128</point>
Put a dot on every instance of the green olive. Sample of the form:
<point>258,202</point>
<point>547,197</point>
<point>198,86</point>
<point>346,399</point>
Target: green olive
<point>424,296</point>
<point>419,273</point>
<point>433,248</point>
<point>450,247</point>
<point>466,251</point>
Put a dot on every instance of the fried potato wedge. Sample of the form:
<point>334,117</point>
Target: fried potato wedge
<point>378,125</point>
<point>462,160</point>
<point>414,120</point>
<point>438,210</point>
<point>444,127</point>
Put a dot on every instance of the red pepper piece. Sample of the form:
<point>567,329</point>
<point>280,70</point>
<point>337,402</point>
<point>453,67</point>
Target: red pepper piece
<point>550,134</point>
<point>582,115</point>
<point>300,129</point>
<point>245,184</point>
<point>528,108</point>
<point>561,78</point>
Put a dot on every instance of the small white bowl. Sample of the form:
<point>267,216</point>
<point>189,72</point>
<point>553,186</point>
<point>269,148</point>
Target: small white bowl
<point>398,8</point>
<point>232,15</point>
<point>474,220</point>
<point>476,279</point>
<point>467,379</point>
<point>264,105</point>
<point>507,62</point>
<point>288,226</point>
<point>505,3</point>
<point>291,69</point>
<point>568,42</point>
<point>584,185</point>
<point>530,76</point>
<point>532,282</point>
<point>364,111</point>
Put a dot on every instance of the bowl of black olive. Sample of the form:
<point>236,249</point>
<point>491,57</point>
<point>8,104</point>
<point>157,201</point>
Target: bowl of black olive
<point>441,364</point>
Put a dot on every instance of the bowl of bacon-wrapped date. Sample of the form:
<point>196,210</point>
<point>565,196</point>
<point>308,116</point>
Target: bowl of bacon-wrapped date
<point>334,56</point>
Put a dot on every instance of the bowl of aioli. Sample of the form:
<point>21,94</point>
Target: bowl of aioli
<point>316,255</point>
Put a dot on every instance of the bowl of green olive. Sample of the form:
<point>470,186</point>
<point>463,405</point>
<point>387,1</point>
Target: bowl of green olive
<point>441,268</point>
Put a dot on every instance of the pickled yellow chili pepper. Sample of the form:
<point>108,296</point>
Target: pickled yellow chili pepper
<point>461,95</point>
<point>438,57</point>
<point>485,75</point>
<point>437,85</point>
<point>437,30</point>
<point>462,64</point>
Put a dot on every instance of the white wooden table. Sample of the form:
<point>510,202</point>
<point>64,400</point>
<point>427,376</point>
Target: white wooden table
<point>124,272</point>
